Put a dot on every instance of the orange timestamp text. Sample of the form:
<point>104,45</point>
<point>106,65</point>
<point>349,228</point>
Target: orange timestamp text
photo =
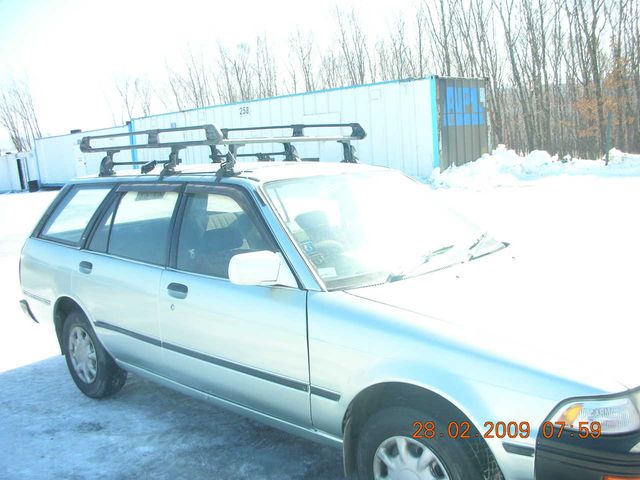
<point>463,429</point>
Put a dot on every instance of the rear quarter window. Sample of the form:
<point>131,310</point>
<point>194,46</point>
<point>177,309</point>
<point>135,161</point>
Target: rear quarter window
<point>70,218</point>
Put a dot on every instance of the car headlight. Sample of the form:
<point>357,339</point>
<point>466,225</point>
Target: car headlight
<point>615,415</point>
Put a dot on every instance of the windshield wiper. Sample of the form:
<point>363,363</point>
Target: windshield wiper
<point>395,276</point>
<point>474,245</point>
<point>471,252</point>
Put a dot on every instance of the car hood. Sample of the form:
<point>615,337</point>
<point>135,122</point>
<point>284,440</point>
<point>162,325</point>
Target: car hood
<point>551,317</point>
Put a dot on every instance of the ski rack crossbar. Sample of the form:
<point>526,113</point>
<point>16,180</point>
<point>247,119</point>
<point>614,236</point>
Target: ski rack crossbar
<point>212,134</point>
<point>215,137</point>
<point>297,135</point>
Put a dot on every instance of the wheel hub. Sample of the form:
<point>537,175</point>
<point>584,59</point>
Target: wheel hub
<point>404,458</point>
<point>83,354</point>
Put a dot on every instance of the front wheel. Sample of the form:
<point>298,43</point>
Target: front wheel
<point>92,368</point>
<point>388,451</point>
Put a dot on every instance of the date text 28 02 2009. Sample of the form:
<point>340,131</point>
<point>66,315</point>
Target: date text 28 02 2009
<point>512,429</point>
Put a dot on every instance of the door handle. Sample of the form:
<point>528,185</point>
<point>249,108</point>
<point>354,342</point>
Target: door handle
<point>177,290</point>
<point>85,267</point>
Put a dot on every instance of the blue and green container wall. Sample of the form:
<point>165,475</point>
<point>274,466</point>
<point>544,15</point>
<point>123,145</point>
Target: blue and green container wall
<point>463,132</point>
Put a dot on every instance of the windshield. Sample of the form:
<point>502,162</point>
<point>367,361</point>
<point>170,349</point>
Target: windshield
<point>366,228</point>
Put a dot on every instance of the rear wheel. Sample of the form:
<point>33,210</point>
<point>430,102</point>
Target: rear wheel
<point>388,451</point>
<point>92,368</point>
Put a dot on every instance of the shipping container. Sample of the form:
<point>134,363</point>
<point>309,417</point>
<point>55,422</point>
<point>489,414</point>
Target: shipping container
<point>16,171</point>
<point>59,158</point>
<point>413,125</point>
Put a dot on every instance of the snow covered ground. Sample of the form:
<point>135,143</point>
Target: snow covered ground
<point>504,167</point>
<point>573,218</point>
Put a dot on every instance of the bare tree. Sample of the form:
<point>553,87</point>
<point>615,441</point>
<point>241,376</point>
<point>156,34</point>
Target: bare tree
<point>421,40</point>
<point>332,71</point>
<point>353,44</point>
<point>18,115</point>
<point>553,80</point>
<point>438,15</point>
<point>191,87</point>
<point>144,93</point>
<point>302,46</point>
<point>128,95</point>
<point>400,57</point>
<point>136,95</point>
<point>265,69</point>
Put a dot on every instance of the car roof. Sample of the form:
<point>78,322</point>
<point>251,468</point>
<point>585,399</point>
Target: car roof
<point>256,171</point>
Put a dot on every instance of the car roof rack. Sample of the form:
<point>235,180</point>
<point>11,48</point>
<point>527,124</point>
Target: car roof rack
<point>214,137</point>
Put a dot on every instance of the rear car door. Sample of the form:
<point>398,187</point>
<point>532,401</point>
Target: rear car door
<point>245,344</point>
<point>118,275</point>
<point>51,256</point>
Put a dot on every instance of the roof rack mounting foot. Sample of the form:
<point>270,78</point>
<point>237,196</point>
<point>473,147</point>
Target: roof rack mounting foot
<point>216,156</point>
<point>290,153</point>
<point>226,167</point>
<point>349,153</point>
<point>107,164</point>
<point>174,161</point>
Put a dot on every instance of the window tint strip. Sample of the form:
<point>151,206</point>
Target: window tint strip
<point>149,187</point>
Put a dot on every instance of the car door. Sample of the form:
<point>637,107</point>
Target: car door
<point>245,344</point>
<point>118,276</point>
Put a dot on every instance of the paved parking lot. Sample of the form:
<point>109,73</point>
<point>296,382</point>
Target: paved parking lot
<point>50,430</point>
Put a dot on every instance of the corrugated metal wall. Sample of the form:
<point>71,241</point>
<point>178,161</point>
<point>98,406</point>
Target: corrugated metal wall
<point>462,115</point>
<point>412,125</point>
<point>396,115</point>
<point>60,159</point>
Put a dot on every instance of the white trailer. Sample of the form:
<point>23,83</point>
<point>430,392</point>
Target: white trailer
<point>16,171</point>
<point>59,158</point>
<point>412,125</point>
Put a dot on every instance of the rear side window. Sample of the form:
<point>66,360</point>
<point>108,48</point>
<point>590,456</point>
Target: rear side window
<point>69,220</point>
<point>140,227</point>
<point>100,240</point>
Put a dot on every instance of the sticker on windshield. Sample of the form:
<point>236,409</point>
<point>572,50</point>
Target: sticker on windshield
<point>327,272</point>
<point>307,246</point>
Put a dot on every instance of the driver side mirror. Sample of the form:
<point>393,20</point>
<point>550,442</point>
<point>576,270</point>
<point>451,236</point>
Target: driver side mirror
<point>260,268</point>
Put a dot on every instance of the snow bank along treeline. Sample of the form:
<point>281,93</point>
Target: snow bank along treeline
<point>504,167</point>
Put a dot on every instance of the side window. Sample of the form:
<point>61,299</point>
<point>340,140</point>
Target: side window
<point>215,228</point>
<point>100,240</point>
<point>140,226</point>
<point>69,220</point>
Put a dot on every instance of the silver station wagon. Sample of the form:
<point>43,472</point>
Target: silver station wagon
<point>335,300</point>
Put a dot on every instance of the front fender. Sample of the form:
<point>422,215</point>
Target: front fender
<point>355,344</point>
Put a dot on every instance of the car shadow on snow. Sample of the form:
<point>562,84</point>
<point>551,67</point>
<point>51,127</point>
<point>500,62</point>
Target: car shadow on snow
<point>49,429</point>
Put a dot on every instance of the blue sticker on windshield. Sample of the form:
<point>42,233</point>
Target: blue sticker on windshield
<point>307,246</point>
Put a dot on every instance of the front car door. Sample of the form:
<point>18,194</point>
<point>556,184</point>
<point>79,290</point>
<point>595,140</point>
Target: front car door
<point>245,344</point>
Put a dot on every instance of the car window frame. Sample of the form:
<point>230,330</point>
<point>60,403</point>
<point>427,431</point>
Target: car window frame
<point>118,192</point>
<point>240,195</point>
<point>62,196</point>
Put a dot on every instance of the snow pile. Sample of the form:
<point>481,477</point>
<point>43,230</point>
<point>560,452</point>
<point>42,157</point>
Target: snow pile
<point>504,167</point>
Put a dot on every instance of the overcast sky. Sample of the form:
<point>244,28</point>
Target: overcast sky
<point>71,51</point>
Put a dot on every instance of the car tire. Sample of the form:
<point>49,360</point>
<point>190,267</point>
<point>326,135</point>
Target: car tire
<point>93,370</point>
<point>386,448</point>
